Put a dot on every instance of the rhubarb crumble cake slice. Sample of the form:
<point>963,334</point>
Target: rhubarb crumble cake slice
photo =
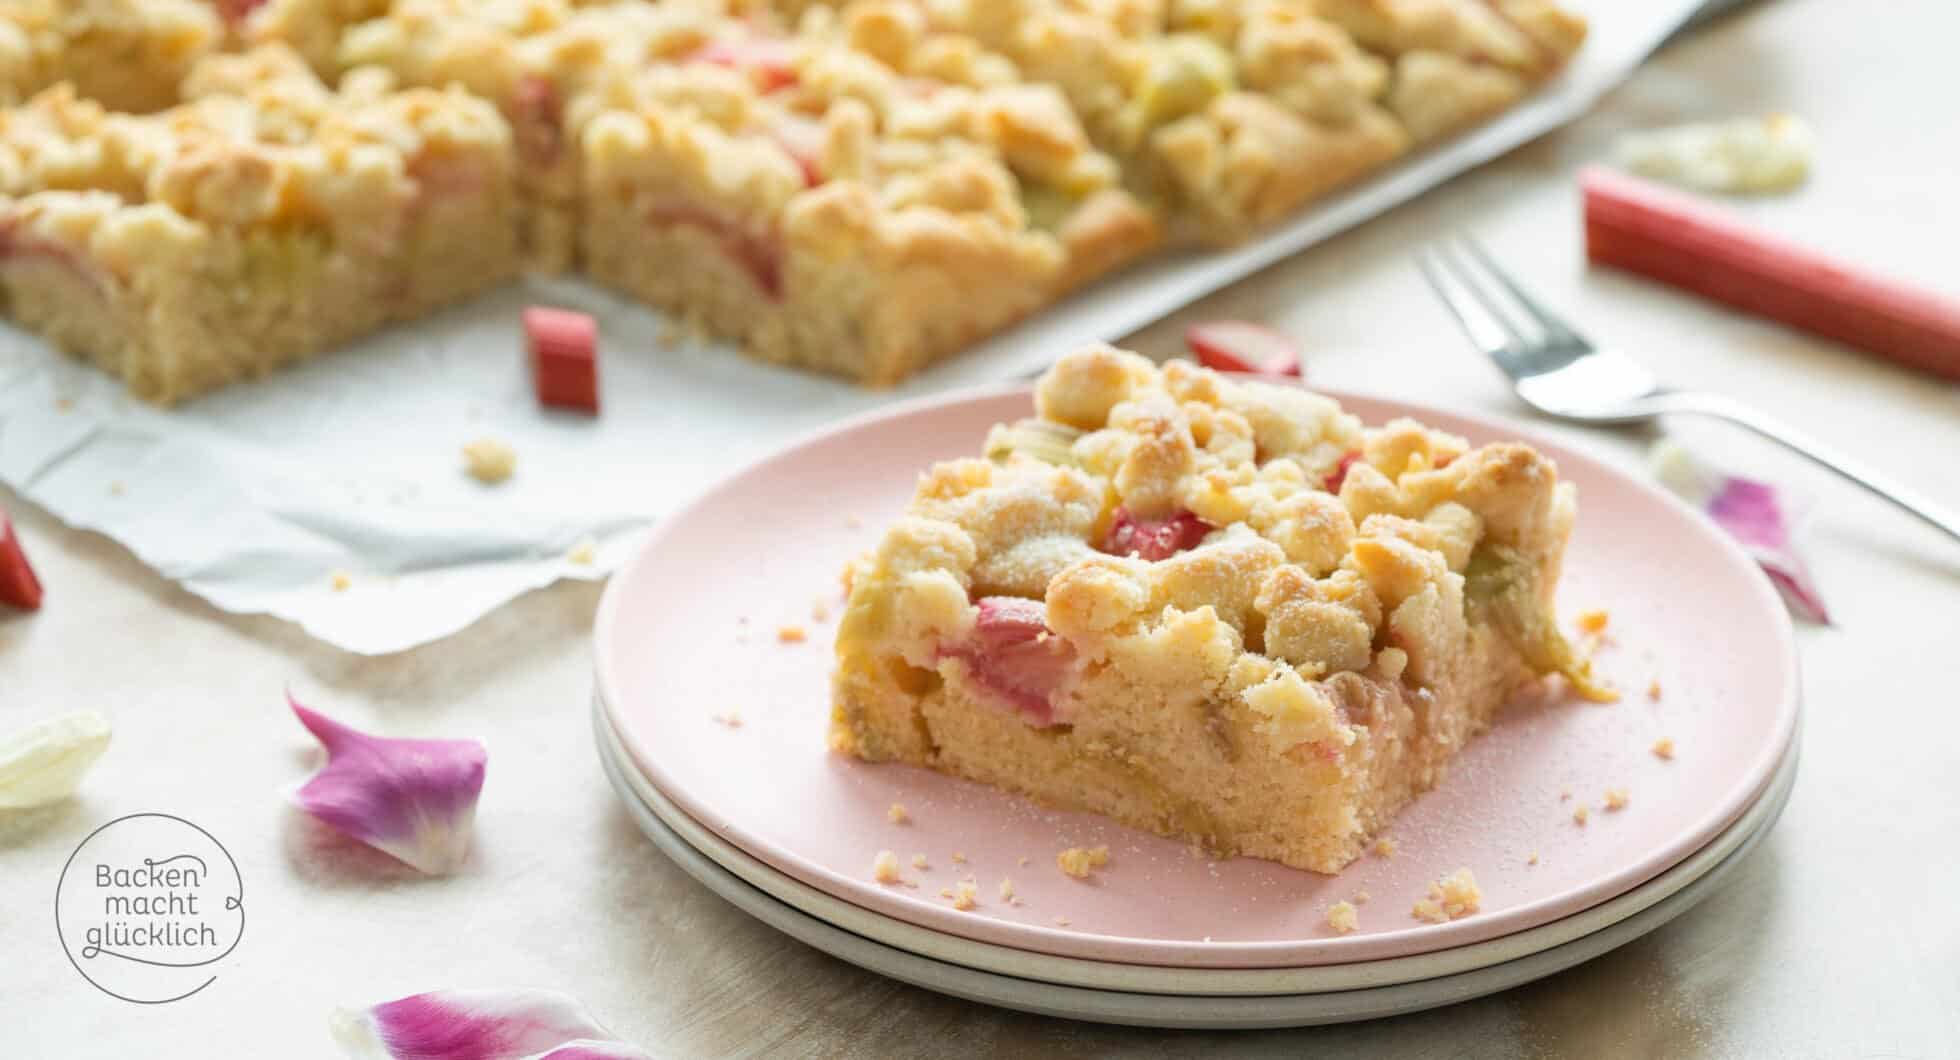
<point>1210,608</point>
<point>264,219</point>
<point>861,198</point>
<point>127,54</point>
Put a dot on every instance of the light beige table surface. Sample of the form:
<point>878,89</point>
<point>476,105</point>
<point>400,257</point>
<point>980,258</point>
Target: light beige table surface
<point>1838,938</point>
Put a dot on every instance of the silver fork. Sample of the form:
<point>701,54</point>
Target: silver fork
<point>1556,371</point>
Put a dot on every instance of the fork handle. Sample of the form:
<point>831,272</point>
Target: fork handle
<point>1877,482</point>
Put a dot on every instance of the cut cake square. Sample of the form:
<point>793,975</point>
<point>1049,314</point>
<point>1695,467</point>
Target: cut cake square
<point>1206,607</point>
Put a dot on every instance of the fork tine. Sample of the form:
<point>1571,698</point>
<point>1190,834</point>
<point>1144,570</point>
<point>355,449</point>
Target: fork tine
<point>1555,329</point>
<point>1486,330</point>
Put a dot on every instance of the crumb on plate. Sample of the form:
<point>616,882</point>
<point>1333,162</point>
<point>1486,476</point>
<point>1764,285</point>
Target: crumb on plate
<point>792,635</point>
<point>730,718</point>
<point>1079,862</point>
<point>1006,889</point>
<point>1386,847</point>
<point>898,814</point>
<point>1664,748</point>
<point>1360,898</point>
<point>965,895</point>
<point>884,867</point>
<point>1451,897</point>
<point>1616,799</point>
<point>1654,689</point>
<point>1342,917</point>
<point>919,862</point>
<point>959,858</point>
<point>1532,860</point>
<point>341,581</point>
<point>584,553</point>
<point>1593,621</point>
<point>1579,815</point>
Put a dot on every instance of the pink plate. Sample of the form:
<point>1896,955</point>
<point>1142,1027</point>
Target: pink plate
<point>727,719</point>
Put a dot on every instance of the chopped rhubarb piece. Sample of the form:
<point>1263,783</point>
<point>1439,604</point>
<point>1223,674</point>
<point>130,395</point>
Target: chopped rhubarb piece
<point>770,62</point>
<point>1153,539</point>
<point>536,113</point>
<point>234,12</point>
<point>802,140</point>
<point>564,358</point>
<point>1012,654</point>
<point>18,585</point>
<point>758,255</point>
<point>1338,476</point>
<point>1240,346</point>
<point>1644,228</point>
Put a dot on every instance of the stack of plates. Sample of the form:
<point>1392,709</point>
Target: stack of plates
<point>710,724</point>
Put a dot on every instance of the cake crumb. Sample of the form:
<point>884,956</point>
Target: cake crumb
<point>1079,862</point>
<point>919,862</point>
<point>898,814</point>
<point>1579,815</point>
<point>1565,796</point>
<point>945,892</point>
<point>1342,917</point>
<point>489,461</point>
<point>341,581</point>
<point>792,635</point>
<point>965,896</point>
<point>1386,847</point>
<point>884,867</point>
<point>117,489</point>
<point>854,522</point>
<point>959,858</point>
<point>1593,621</point>
<point>1061,921</point>
<point>1006,889</point>
<point>1360,898</point>
<point>1616,799</point>
<point>584,553</point>
<point>64,404</point>
<point>820,612</point>
<point>1664,748</point>
<point>1532,860</point>
<point>1022,861</point>
<point>1654,689</point>
<point>1452,897</point>
<point>730,718</point>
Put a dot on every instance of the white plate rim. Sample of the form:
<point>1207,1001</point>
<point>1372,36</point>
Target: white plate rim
<point>1215,982</point>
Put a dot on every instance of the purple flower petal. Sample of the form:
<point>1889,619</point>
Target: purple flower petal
<point>1757,514</point>
<point>478,1025</point>
<point>414,799</point>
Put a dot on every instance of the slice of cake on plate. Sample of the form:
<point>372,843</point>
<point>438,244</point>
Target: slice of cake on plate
<point>1207,607</point>
<point>248,227</point>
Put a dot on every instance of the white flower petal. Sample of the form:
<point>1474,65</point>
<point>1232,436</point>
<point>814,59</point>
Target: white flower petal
<point>46,761</point>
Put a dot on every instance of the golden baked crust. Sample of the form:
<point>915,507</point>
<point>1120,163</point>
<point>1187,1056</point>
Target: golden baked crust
<point>240,230</point>
<point>1210,608</point>
<point>127,54</point>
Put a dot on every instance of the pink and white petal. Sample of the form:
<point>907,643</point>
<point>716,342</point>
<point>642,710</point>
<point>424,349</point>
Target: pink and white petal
<point>1760,516</point>
<point>475,1025</point>
<point>413,799</point>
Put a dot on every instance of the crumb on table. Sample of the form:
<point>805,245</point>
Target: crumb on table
<point>342,581</point>
<point>1451,897</point>
<point>1616,799</point>
<point>884,867</point>
<point>1654,689</point>
<point>1579,815</point>
<point>489,461</point>
<point>1593,621</point>
<point>1386,847</point>
<point>730,718</point>
<point>1079,862</point>
<point>792,635</point>
<point>898,814</point>
<point>1341,916</point>
<point>820,612</point>
<point>1532,860</point>
<point>1664,748</point>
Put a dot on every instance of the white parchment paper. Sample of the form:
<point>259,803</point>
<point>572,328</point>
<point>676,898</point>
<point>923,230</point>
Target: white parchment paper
<point>255,497</point>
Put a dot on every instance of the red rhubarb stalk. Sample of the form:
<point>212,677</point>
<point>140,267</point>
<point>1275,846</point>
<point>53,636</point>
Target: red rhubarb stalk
<point>1641,227</point>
